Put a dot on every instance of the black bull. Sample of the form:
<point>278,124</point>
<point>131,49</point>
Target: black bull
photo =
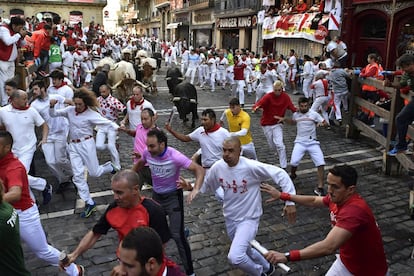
<point>184,95</point>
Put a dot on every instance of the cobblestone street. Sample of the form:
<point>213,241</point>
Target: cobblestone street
<point>387,196</point>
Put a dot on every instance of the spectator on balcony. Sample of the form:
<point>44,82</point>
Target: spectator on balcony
<point>301,7</point>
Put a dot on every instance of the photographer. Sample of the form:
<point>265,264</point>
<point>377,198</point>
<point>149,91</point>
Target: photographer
<point>11,38</point>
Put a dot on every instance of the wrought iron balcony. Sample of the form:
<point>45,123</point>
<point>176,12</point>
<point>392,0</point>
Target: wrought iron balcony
<point>230,6</point>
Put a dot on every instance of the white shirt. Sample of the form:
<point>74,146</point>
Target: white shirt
<point>241,184</point>
<point>58,126</point>
<point>306,126</point>
<point>292,61</point>
<point>81,125</point>
<point>211,144</point>
<point>134,115</point>
<point>8,40</point>
<point>266,80</point>
<point>64,91</point>
<point>21,124</point>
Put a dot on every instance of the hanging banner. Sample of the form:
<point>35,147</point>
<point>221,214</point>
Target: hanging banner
<point>309,26</point>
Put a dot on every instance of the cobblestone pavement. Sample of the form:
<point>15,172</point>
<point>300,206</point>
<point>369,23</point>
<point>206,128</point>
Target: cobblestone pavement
<point>388,197</point>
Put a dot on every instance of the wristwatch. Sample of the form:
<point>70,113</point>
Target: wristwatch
<point>287,255</point>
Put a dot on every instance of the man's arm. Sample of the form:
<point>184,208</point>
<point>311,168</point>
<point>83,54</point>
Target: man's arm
<point>335,238</point>
<point>13,194</point>
<point>179,136</point>
<point>45,132</point>
<point>310,201</point>
<point>139,165</point>
<point>199,174</point>
<point>87,242</point>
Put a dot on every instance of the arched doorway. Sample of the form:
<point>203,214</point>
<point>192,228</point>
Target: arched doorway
<point>403,35</point>
<point>370,29</point>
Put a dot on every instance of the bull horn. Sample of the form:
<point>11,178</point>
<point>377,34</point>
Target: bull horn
<point>176,99</point>
<point>181,78</point>
<point>193,101</point>
<point>142,85</point>
<point>116,85</point>
<point>168,78</point>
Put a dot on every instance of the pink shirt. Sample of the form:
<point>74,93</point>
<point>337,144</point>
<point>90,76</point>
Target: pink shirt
<point>165,169</point>
<point>140,140</point>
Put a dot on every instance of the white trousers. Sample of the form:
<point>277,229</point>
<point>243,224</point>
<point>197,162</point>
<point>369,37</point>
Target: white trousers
<point>240,90</point>
<point>241,254</point>
<point>7,69</point>
<point>84,154</point>
<point>274,136</point>
<point>111,133</point>
<point>314,150</point>
<point>338,100</point>
<point>213,80</point>
<point>68,72</point>
<point>36,183</point>
<point>306,87</point>
<point>57,159</point>
<point>191,71</point>
<point>221,76</point>
<point>249,151</point>
<point>54,65</point>
<point>32,233</point>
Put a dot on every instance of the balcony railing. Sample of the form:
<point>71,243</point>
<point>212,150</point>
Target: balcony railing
<point>208,3</point>
<point>223,6</point>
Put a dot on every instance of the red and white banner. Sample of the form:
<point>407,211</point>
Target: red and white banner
<point>335,17</point>
<point>306,25</point>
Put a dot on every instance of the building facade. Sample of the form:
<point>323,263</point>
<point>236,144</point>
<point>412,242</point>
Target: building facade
<point>382,27</point>
<point>69,10</point>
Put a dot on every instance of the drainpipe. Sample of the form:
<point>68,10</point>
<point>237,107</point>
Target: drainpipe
<point>390,33</point>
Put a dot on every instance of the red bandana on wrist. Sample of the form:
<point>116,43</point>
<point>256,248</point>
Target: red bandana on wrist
<point>62,84</point>
<point>20,108</point>
<point>134,103</point>
<point>214,128</point>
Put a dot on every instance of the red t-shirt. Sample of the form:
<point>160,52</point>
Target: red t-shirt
<point>274,105</point>
<point>13,173</point>
<point>146,213</point>
<point>363,254</point>
<point>238,70</point>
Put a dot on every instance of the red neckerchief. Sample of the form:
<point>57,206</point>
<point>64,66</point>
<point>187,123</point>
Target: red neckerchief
<point>165,264</point>
<point>20,108</point>
<point>77,113</point>
<point>62,84</point>
<point>134,104</point>
<point>214,128</point>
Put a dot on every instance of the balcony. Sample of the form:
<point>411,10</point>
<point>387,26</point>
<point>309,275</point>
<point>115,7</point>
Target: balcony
<point>201,4</point>
<point>231,6</point>
<point>161,3</point>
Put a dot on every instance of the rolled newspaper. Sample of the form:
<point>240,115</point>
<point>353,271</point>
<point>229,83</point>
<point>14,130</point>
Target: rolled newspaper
<point>256,245</point>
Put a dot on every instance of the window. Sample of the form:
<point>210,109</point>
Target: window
<point>374,27</point>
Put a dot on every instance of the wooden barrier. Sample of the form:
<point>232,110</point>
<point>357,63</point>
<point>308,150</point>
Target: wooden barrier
<point>355,126</point>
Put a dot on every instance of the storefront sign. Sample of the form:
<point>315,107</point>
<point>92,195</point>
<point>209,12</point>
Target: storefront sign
<point>236,22</point>
<point>201,17</point>
<point>308,26</point>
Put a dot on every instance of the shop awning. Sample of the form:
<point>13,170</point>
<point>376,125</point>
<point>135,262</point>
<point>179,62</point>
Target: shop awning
<point>310,26</point>
<point>174,25</point>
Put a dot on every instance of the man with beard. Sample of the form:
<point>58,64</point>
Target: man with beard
<point>306,141</point>
<point>141,254</point>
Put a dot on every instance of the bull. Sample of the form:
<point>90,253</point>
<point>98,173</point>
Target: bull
<point>184,95</point>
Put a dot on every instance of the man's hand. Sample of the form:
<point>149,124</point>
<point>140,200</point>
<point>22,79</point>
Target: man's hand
<point>117,271</point>
<point>182,183</point>
<point>290,212</point>
<point>70,259</point>
<point>168,126</point>
<point>192,195</point>
<point>43,141</point>
<point>271,190</point>
<point>52,103</point>
<point>275,257</point>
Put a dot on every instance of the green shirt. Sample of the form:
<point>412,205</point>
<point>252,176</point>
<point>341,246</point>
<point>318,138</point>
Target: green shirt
<point>54,54</point>
<point>11,252</point>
